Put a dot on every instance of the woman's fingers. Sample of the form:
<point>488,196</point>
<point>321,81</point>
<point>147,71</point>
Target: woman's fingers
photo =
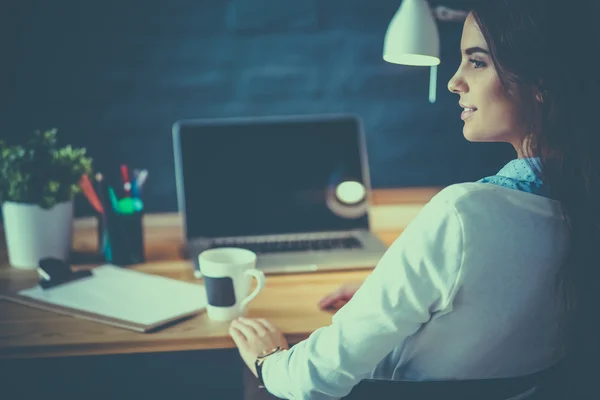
<point>331,298</point>
<point>237,336</point>
<point>246,330</point>
<point>340,297</point>
<point>330,302</point>
<point>255,326</point>
<point>269,326</point>
<point>327,301</point>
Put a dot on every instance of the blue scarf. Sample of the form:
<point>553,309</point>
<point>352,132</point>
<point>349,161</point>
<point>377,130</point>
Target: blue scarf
<point>519,175</point>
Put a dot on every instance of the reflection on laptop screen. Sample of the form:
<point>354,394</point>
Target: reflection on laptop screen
<point>268,176</point>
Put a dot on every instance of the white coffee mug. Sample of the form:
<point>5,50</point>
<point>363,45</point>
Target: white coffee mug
<point>227,274</point>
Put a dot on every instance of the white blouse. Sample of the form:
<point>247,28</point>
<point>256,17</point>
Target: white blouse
<point>466,291</point>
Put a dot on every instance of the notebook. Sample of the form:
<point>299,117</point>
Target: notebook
<point>120,297</point>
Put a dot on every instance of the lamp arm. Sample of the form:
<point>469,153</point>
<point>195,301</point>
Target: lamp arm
<point>442,13</point>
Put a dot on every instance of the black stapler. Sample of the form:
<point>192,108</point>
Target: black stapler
<point>54,271</point>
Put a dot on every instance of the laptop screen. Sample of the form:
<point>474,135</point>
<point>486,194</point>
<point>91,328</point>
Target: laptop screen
<point>270,176</point>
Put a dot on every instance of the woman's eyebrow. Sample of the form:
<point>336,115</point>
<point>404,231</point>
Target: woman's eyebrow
<point>472,50</point>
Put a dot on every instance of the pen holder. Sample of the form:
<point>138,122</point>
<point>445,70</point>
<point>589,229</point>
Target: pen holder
<point>124,238</point>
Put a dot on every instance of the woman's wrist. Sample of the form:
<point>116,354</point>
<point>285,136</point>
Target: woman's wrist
<point>260,363</point>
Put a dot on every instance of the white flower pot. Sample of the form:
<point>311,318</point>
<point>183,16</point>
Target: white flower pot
<point>33,233</point>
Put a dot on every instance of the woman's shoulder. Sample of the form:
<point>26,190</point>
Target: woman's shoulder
<point>465,192</point>
<point>475,198</point>
<point>448,205</point>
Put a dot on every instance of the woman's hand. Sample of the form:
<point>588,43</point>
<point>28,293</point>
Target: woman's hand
<point>254,337</point>
<point>339,297</point>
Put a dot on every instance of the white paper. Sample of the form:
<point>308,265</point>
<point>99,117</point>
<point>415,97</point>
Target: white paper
<point>126,294</point>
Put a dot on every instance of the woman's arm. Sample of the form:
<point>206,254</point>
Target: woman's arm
<point>415,278</point>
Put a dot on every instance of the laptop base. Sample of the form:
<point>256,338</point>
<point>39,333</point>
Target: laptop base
<point>365,257</point>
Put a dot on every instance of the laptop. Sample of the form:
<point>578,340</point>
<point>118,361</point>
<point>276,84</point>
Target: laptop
<point>293,189</point>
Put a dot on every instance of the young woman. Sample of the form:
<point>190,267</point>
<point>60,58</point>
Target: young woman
<point>493,278</point>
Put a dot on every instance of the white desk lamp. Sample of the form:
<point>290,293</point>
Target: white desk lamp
<point>412,37</point>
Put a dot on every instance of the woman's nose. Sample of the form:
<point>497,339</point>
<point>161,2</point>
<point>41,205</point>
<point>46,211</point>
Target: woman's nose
<point>456,84</point>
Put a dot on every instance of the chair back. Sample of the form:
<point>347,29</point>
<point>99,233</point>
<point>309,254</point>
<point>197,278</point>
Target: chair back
<point>544,382</point>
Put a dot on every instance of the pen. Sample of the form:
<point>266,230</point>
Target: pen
<point>43,274</point>
<point>104,242</point>
<point>113,198</point>
<point>135,192</point>
<point>141,179</point>
<point>90,193</point>
<point>100,190</point>
<point>126,181</point>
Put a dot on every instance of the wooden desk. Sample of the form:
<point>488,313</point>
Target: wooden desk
<point>290,301</point>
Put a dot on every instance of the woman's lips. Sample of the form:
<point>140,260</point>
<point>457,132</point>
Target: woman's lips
<point>467,113</point>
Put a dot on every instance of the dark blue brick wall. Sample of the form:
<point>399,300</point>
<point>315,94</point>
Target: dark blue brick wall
<point>114,75</point>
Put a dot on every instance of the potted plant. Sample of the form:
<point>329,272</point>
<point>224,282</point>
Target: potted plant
<point>38,181</point>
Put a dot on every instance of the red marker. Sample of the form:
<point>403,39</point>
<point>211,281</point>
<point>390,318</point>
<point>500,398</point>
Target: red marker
<point>88,190</point>
<point>126,181</point>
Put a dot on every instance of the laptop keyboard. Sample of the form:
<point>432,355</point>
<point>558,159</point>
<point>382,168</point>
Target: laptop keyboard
<point>293,245</point>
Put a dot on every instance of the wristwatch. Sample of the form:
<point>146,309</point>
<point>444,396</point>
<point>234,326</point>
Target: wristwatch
<point>259,363</point>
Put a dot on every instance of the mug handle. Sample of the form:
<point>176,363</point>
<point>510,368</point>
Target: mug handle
<point>260,279</point>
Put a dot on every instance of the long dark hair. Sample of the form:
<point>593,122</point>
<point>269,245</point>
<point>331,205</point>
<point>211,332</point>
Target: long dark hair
<point>544,53</point>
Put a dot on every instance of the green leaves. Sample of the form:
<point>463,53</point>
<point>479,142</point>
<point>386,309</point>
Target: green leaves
<point>40,172</point>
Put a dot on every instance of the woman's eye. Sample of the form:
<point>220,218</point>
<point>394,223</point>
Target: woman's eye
<point>477,64</point>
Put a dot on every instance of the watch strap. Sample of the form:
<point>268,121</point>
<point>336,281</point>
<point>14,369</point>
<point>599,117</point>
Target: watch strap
<point>258,364</point>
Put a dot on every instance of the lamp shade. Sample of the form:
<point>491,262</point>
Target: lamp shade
<point>412,37</point>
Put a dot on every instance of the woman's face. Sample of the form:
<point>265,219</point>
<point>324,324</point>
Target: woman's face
<point>489,114</point>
